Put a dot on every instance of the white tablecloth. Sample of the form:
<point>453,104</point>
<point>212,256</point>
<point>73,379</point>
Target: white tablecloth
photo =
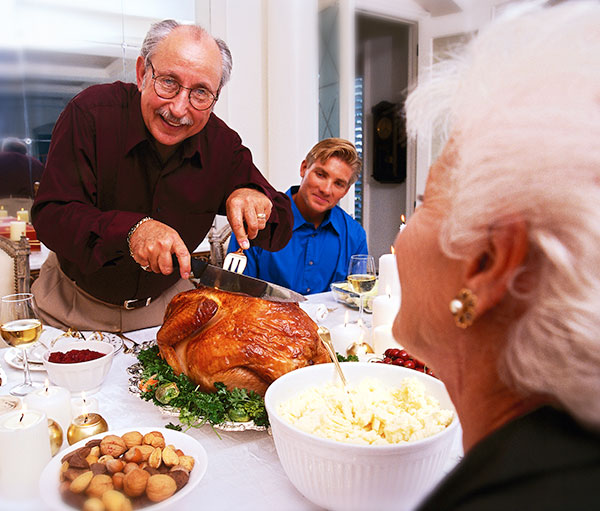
<point>243,472</point>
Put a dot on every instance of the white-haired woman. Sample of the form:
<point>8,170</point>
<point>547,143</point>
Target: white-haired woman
<point>500,265</point>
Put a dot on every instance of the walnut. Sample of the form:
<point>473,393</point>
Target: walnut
<point>98,485</point>
<point>132,439</point>
<point>187,462</point>
<point>113,445</point>
<point>135,481</point>
<point>155,439</point>
<point>160,487</point>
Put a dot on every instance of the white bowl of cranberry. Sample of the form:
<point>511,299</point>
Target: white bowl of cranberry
<point>400,357</point>
<point>80,366</point>
<point>335,473</point>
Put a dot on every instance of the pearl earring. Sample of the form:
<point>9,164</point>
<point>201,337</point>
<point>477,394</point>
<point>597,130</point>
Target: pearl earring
<point>462,308</point>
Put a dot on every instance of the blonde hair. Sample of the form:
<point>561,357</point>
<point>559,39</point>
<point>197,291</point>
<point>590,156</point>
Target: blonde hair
<point>338,148</point>
<point>523,107</point>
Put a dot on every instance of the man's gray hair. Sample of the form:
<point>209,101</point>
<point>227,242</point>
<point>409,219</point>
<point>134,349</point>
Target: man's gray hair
<point>158,31</point>
<point>522,105</point>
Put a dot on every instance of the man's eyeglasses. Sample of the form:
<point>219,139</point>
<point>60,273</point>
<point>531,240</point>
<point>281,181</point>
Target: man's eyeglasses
<point>167,87</point>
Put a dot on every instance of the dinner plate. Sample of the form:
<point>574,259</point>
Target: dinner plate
<point>50,478</point>
<point>14,358</point>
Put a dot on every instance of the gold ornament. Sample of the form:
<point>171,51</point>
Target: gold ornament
<point>56,436</point>
<point>463,308</point>
<point>84,426</point>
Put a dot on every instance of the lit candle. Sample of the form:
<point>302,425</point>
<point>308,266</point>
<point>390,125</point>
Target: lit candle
<point>85,426</point>
<point>17,229</point>
<point>23,215</point>
<point>383,339</point>
<point>25,451</point>
<point>385,308</point>
<point>54,401</point>
<point>345,334</point>
<point>3,212</point>
<point>402,222</point>
<point>82,405</point>
<point>389,282</point>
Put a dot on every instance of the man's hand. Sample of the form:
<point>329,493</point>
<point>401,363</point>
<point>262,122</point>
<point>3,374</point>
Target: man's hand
<point>249,206</point>
<point>152,244</point>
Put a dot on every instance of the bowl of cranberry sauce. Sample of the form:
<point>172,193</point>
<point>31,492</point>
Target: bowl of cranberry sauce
<point>80,366</point>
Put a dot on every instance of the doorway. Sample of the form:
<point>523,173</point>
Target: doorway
<point>385,56</point>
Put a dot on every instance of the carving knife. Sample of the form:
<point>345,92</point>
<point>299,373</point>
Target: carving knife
<point>213,276</point>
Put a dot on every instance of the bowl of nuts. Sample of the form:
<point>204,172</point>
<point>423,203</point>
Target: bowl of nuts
<point>146,468</point>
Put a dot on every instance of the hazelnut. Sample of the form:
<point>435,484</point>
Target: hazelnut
<point>93,504</point>
<point>117,480</point>
<point>187,462</point>
<point>155,439</point>
<point>155,458</point>
<point>160,487</point>
<point>135,481</point>
<point>133,454</point>
<point>81,482</point>
<point>169,457</point>
<point>98,485</point>
<point>115,501</point>
<point>114,466</point>
<point>132,438</point>
<point>129,467</point>
<point>113,445</point>
<point>105,458</point>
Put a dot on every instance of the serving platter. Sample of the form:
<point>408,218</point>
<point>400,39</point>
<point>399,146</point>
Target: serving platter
<point>49,480</point>
<point>135,371</point>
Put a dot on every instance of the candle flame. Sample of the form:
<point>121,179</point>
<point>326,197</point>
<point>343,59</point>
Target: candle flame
<point>392,249</point>
<point>402,219</point>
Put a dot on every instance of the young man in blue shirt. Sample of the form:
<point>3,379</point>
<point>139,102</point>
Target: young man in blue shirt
<point>324,236</point>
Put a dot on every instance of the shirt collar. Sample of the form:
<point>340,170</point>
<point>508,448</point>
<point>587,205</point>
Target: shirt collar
<point>332,219</point>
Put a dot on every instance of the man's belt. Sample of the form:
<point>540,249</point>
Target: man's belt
<point>136,303</point>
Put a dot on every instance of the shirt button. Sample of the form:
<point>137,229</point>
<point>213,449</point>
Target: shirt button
<point>310,263</point>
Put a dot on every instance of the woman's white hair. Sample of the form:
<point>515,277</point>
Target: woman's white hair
<point>523,106</point>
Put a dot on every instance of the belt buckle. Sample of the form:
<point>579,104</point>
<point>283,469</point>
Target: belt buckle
<point>136,303</point>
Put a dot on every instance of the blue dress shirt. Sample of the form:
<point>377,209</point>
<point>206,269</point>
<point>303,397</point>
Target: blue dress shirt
<point>313,258</point>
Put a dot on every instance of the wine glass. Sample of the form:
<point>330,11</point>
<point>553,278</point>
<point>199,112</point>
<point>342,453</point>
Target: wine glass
<point>362,277</point>
<point>21,328</point>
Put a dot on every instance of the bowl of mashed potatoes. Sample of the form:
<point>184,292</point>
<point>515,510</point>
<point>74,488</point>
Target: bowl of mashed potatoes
<point>381,443</point>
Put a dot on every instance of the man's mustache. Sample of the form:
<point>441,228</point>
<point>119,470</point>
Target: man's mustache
<point>167,116</point>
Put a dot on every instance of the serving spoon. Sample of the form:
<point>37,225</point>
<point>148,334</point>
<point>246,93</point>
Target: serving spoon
<point>325,337</point>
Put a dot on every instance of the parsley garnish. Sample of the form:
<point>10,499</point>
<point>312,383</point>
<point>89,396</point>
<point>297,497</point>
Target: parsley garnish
<point>349,358</point>
<point>198,408</point>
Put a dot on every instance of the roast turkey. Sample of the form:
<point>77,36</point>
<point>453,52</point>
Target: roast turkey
<point>216,336</point>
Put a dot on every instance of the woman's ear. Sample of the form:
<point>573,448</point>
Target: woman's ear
<point>140,70</point>
<point>489,274</point>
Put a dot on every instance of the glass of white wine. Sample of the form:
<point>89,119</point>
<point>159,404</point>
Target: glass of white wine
<point>362,277</point>
<point>21,328</point>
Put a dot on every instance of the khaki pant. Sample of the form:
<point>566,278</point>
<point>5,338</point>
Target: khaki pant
<point>62,304</point>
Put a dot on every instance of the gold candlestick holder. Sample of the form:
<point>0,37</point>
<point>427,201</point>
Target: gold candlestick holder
<point>56,436</point>
<point>85,426</point>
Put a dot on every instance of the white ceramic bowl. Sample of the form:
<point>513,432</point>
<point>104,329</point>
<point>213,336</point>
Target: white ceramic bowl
<point>80,376</point>
<point>340,476</point>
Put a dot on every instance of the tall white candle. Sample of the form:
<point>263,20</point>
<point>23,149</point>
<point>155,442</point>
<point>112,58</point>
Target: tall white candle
<point>385,308</point>
<point>54,401</point>
<point>25,448</point>
<point>389,282</point>
<point>383,339</point>
<point>23,215</point>
<point>17,229</point>
<point>345,334</point>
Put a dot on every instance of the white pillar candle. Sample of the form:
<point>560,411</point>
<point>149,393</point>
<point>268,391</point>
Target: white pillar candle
<point>54,401</point>
<point>389,282</point>
<point>385,308</point>
<point>3,212</point>
<point>25,448</point>
<point>17,229</point>
<point>23,215</point>
<point>383,339</point>
<point>342,336</point>
<point>82,405</point>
